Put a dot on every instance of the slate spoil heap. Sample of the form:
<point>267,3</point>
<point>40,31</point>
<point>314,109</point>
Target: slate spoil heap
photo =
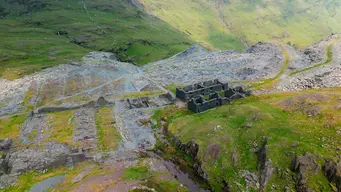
<point>195,95</point>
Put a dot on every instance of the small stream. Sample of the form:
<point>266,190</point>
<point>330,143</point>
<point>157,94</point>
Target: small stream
<point>183,178</point>
<point>45,185</point>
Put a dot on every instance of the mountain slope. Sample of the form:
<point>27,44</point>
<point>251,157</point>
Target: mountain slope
<point>232,23</point>
<point>40,33</point>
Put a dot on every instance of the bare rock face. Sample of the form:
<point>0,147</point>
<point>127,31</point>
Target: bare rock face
<point>313,54</point>
<point>37,159</point>
<point>134,103</point>
<point>264,165</point>
<point>6,180</point>
<point>302,166</point>
<point>251,179</point>
<point>191,149</point>
<point>212,152</point>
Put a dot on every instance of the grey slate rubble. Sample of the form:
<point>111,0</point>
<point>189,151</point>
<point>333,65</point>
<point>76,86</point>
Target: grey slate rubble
<point>84,123</point>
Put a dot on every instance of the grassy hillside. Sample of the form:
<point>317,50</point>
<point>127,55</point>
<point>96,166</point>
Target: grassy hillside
<point>295,123</point>
<point>41,33</point>
<point>228,24</point>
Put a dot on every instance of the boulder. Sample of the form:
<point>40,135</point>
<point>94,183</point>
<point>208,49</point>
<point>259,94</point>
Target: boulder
<point>80,39</point>
<point>191,149</point>
<point>5,144</point>
<point>302,166</point>
<point>102,101</point>
<point>305,163</point>
<point>212,152</point>
<point>61,32</point>
<point>136,103</point>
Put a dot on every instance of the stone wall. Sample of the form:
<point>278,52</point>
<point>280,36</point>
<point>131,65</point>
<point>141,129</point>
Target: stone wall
<point>204,88</point>
<point>199,104</point>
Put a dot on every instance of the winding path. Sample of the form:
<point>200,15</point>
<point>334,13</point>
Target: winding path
<point>329,59</point>
<point>268,83</point>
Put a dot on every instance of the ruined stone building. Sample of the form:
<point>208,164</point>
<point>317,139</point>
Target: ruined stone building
<point>197,103</point>
<point>204,88</point>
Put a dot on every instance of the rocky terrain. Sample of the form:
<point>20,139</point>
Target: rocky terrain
<point>325,75</point>
<point>99,114</point>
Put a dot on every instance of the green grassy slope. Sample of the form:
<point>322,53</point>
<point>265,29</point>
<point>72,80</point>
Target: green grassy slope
<point>293,122</point>
<point>226,24</point>
<point>30,41</point>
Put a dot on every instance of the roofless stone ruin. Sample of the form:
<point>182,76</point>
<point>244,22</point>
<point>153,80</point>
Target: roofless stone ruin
<point>207,95</point>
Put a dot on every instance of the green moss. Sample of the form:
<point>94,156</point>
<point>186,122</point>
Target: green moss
<point>166,186</point>
<point>10,127</point>
<point>61,127</point>
<point>33,134</point>
<point>231,25</point>
<point>107,133</point>
<point>172,87</point>
<point>136,173</point>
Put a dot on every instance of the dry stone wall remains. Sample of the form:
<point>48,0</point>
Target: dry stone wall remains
<point>195,93</point>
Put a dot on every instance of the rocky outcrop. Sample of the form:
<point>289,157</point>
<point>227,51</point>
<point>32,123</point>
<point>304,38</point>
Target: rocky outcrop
<point>251,179</point>
<point>5,144</point>
<point>142,102</point>
<point>302,166</point>
<point>25,160</point>
<point>332,171</point>
<point>258,180</point>
<point>53,156</point>
<point>3,166</point>
<point>191,149</point>
<point>81,39</point>
<point>264,165</point>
